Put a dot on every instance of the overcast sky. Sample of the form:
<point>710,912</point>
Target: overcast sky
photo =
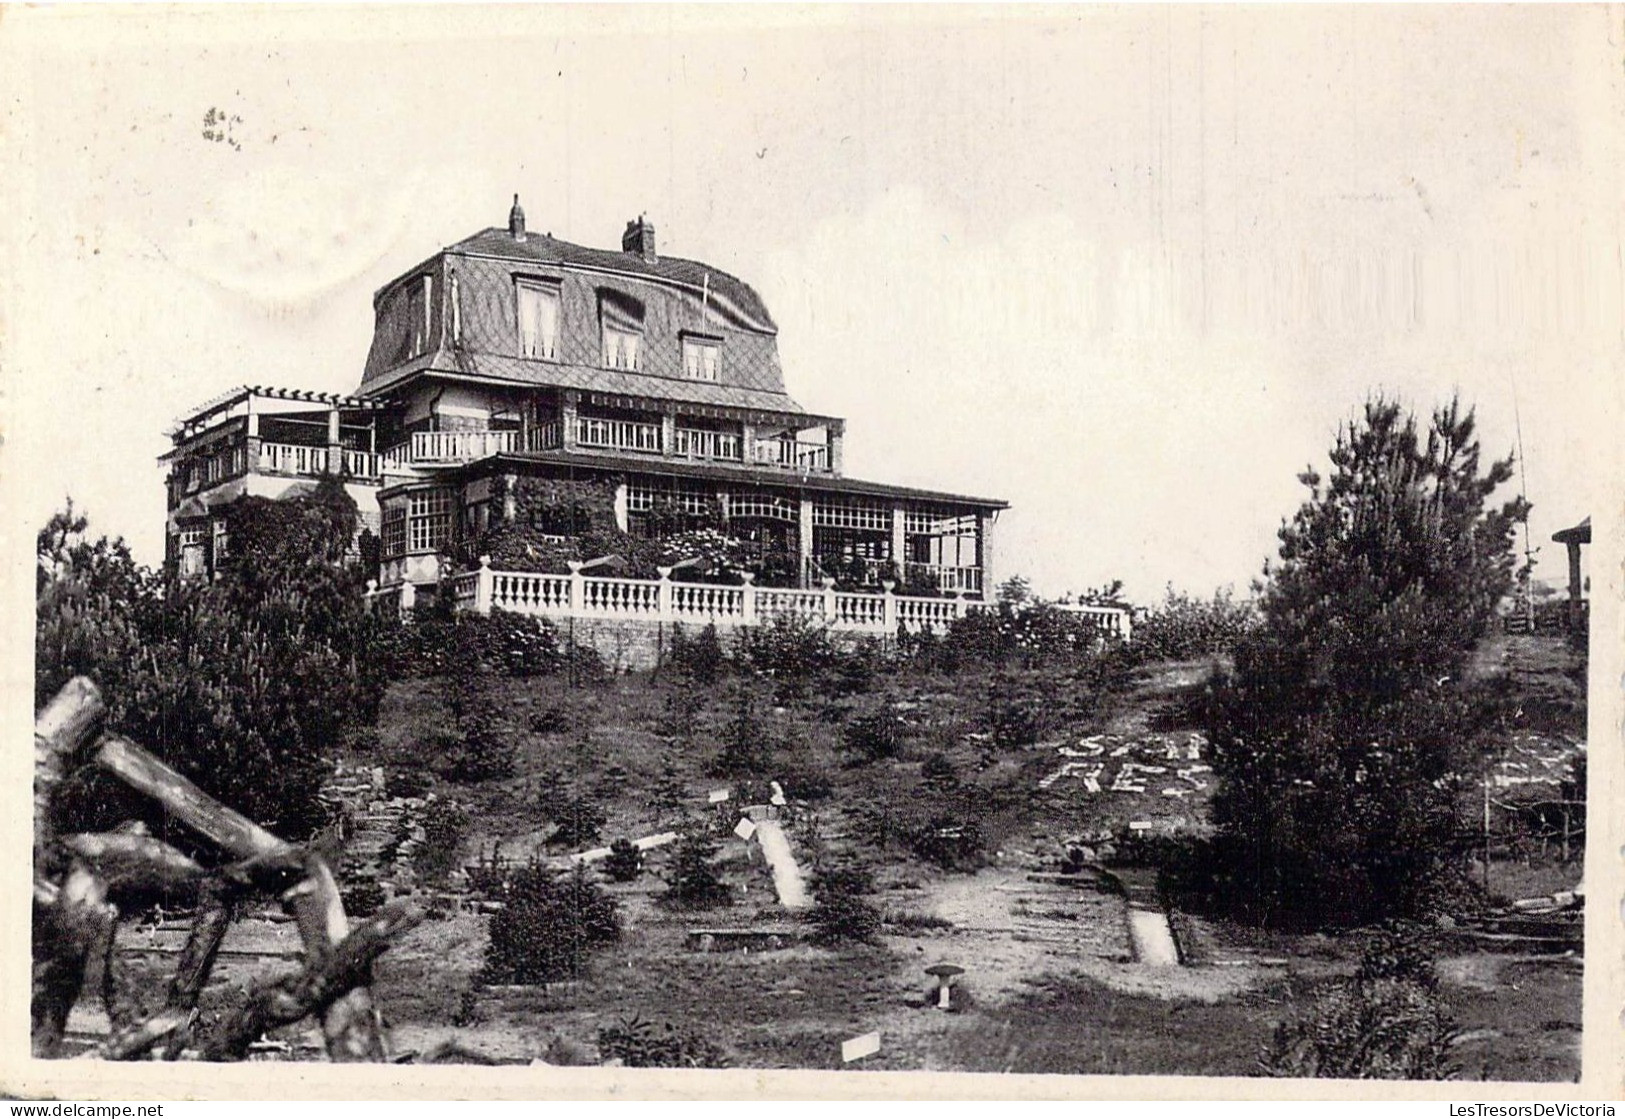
<point>1126,268</point>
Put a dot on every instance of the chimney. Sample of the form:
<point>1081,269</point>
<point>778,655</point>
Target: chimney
<point>639,238</point>
<point>516,220</point>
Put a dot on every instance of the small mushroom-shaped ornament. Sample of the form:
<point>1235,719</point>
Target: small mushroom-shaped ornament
<point>944,974</point>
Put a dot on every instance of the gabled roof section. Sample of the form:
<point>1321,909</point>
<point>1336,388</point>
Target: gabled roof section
<point>726,290</point>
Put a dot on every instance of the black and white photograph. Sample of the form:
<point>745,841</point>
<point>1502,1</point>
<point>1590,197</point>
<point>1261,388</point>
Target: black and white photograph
<point>712,543</point>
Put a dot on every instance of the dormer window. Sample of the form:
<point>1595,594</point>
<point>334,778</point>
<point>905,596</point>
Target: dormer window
<point>421,300</point>
<point>538,318</point>
<point>621,319</point>
<point>702,357</point>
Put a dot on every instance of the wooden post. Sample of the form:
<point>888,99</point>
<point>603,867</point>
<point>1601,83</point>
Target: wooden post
<point>804,542</point>
<point>567,420</point>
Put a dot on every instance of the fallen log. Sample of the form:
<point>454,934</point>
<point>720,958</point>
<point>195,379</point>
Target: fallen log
<point>65,934</point>
<point>60,730</point>
<point>286,1000</point>
<point>136,862</point>
<point>350,1023</point>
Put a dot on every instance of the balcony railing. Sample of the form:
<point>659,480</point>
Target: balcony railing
<point>431,448</point>
<point>694,443</point>
<point>578,595</point>
<point>791,454</point>
<point>547,436</point>
<point>618,435</point>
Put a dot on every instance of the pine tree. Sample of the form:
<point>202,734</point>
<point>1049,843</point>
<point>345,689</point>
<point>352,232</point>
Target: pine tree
<point>1342,734</point>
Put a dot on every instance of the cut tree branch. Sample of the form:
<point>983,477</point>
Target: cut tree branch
<point>313,990</point>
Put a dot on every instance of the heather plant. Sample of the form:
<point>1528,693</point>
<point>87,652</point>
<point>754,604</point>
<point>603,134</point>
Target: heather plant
<point>876,736</point>
<point>639,1043</point>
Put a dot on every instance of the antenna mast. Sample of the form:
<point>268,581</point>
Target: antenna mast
<point>1523,492</point>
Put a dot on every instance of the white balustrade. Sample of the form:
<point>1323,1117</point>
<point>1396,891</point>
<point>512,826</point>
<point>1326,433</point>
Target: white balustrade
<point>917,614</point>
<point>547,436</point>
<point>621,598</point>
<point>1113,621</point>
<point>946,578</point>
<point>523,592</point>
<point>773,603</point>
<point>792,454</point>
<point>360,464</point>
<point>860,611</point>
<point>694,443</point>
<point>287,458</point>
<point>707,602</point>
<point>465,589</point>
<point>662,600</point>
<point>620,435</point>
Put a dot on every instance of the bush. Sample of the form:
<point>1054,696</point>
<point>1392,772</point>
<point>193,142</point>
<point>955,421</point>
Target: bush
<point>791,651</point>
<point>699,659</point>
<point>625,861</point>
<point>1182,627</point>
<point>242,682</point>
<point>875,736</point>
<point>407,784</point>
<point>552,719</point>
<point>548,927</point>
<point>638,1043</point>
<point>939,771</point>
<point>445,826</point>
<point>952,841</point>
<point>1386,1023</point>
<point>1341,738</point>
<point>1013,719</point>
<point>481,752</point>
<point>842,913</point>
<point>694,883</point>
<point>744,748</point>
<point>578,823</point>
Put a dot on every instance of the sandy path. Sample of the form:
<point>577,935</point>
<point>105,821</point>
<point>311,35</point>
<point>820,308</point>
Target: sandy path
<point>781,860</point>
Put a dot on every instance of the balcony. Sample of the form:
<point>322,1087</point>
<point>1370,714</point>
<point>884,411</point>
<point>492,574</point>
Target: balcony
<point>618,435</point>
<point>315,462</point>
<point>444,448</point>
<point>791,454</point>
<point>693,443</point>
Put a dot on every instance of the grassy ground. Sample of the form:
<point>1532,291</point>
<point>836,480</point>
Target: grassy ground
<point>1048,988</point>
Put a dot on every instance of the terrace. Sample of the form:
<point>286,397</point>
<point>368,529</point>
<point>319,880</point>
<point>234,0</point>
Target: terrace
<point>579,595</point>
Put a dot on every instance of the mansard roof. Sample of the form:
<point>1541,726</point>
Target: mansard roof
<point>726,290</point>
